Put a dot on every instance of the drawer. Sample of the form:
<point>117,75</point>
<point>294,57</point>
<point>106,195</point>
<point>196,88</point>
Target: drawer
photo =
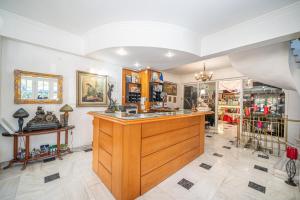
<point>105,142</point>
<point>106,126</point>
<point>154,128</point>
<point>105,159</point>
<point>104,175</point>
<point>164,156</point>
<point>164,140</point>
<point>158,175</point>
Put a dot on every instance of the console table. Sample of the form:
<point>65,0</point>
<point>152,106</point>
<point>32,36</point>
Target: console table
<point>27,136</point>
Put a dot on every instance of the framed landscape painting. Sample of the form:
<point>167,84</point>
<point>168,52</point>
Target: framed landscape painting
<point>91,90</point>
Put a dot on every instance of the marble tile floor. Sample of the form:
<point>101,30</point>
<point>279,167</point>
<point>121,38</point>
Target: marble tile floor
<point>226,179</point>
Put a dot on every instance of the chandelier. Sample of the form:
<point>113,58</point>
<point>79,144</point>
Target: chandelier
<point>203,76</point>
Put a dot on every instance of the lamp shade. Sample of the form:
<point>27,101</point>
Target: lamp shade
<point>66,108</point>
<point>21,113</point>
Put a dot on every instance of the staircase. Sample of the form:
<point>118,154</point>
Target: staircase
<point>295,47</point>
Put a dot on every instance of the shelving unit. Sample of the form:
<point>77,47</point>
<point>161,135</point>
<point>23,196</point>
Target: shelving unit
<point>131,87</point>
<point>28,158</point>
<point>147,89</point>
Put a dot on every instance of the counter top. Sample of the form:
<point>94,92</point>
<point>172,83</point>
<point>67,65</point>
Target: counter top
<point>132,118</point>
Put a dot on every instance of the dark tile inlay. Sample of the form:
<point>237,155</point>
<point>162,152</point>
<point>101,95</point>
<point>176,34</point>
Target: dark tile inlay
<point>205,166</point>
<point>218,155</point>
<point>261,168</point>
<point>51,177</point>
<point>185,183</point>
<point>209,136</point>
<point>263,156</point>
<point>226,147</point>
<point>87,150</point>
<point>49,159</point>
<point>257,187</point>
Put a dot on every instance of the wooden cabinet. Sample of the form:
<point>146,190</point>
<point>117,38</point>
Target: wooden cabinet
<point>132,156</point>
<point>145,85</point>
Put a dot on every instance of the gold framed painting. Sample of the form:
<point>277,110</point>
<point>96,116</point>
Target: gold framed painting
<point>91,89</point>
<point>170,88</point>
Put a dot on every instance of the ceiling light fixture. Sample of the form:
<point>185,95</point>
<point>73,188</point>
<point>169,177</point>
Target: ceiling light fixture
<point>137,64</point>
<point>122,52</point>
<point>170,54</point>
<point>203,76</point>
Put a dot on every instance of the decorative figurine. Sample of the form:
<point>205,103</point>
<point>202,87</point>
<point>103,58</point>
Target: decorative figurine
<point>21,114</point>
<point>42,121</point>
<point>66,109</point>
<point>112,104</point>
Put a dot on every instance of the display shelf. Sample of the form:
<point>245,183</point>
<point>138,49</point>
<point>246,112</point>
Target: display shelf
<point>228,106</point>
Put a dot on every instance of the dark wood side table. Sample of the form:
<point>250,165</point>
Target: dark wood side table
<point>27,136</point>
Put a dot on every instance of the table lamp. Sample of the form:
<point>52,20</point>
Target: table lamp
<point>21,114</point>
<point>66,109</point>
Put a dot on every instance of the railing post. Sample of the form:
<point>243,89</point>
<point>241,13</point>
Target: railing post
<point>286,130</point>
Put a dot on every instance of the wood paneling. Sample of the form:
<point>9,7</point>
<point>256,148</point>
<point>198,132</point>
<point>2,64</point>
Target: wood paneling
<point>104,175</point>
<point>126,161</point>
<point>117,160</point>
<point>106,126</point>
<point>129,164</point>
<point>145,81</point>
<point>161,157</point>
<point>132,161</point>
<point>95,144</point>
<point>154,128</point>
<point>105,142</point>
<point>156,176</point>
<point>202,133</point>
<point>105,159</point>
<point>160,141</point>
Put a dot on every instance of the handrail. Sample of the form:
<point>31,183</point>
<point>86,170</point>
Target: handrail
<point>294,120</point>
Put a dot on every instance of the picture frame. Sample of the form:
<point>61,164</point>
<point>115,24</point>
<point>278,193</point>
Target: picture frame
<point>170,88</point>
<point>91,90</point>
<point>28,91</point>
<point>174,99</point>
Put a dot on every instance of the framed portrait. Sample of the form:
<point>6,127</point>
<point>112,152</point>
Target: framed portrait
<point>174,99</point>
<point>170,88</point>
<point>91,90</point>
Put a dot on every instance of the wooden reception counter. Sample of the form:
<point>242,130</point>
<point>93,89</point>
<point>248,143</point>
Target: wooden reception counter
<point>132,154</point>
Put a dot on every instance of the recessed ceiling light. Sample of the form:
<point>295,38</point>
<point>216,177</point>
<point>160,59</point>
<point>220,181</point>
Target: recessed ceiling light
<point>122,52</point>
<point>137,64</point>
<point>148,67</point>
<point>169,54</point>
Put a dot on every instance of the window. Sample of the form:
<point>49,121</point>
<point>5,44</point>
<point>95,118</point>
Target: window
<point>26,88</point>
<point>42,89</point>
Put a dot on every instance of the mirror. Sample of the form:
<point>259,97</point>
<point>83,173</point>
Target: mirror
<point>37,88</point>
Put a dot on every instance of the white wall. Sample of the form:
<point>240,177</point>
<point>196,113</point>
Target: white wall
<point>142,33</point>
<point>223,73</point>
<point>24,29</point>
<point>275,25</point>
<point>23,56</point>
<point>293,112</point>
<point>175,78</point>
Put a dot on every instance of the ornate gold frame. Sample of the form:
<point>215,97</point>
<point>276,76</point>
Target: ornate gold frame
<point>18,100</point>
<point>78,104</point>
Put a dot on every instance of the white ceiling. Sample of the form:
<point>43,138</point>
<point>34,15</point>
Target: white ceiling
<point>145,56</point>
<point>204,17</point>
<point>211,64</point>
